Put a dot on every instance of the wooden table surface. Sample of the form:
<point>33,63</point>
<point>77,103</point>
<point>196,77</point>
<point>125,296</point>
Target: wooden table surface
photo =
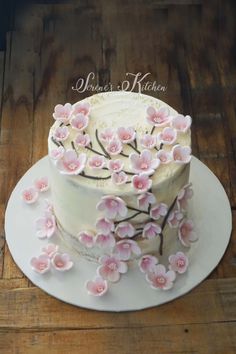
<point>188,46</point>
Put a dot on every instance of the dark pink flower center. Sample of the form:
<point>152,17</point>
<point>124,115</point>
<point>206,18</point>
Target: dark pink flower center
<point>72,166</point>
<point>126,245</point>
<point>126,136</point>
<point>161,280</point>
<point>180,263</point>
<point>49,223</point>
<point>42,265</point>
<point>112,266</point>
<point>59,263</point>
<point>28,196</point>
<point>144,165</point>
<point>100,288</point>
<point>113,204</point>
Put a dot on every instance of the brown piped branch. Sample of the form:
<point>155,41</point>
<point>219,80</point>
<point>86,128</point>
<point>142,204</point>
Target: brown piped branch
<point>164,224</point>
<point>101,146</point>
<point>93,177</point>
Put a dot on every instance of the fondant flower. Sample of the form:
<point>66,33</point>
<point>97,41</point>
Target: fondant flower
<point>184,195</point>
<point>144,162</point>
<point>62,262</point>
<point>79,122</point>
<point>186,232</point>
<point>97,287</point>
<point>105,241</point>
<point>125,248</point>
<point>30,195</point>
<point>48,206</point>
<point>158,210</point>
<point>86,238</point>
<point>174,219</point>
<point>178,262</point>
<point>158,117</point>
<point>50,249</point>
<point>82,140</point>
<point>125,229</point>
<point>61,133</point>
<point>119,178</point>
<point>107,135</point>
<point>97,162</point>
<point>148,141</point>
<point>57,153</point>
<point>115,165</point>
<point>105,226</point>
<point>164,156</point>
<point>62,113</point>
<point>141,183</point>
<point>111,268</point>
<point>151,230</point>
<point>114,147</point>
<point>181,123</point>
<point>41,184</point>
<point>181,154</point>
<point>40,264</point>
<point>112,206</point>
<point>168,136</point>
<point>81,108</point>
<point>161,279</point>
<point>46,226</point>
<point>145,199</point>
<point>126,135</point>
<point>147,263</point>
<point>71,164</point>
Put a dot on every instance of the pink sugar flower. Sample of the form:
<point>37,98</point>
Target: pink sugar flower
<point>105,226</point>
<point>82,140</point>
<point>181,123</point>
<point>112,206</point>
<point>141,183</point>
<point>147,263</point>
<point>186,232</point>
<point>40,264</point>
<point>178,262</point>
<point>48,206</point>
<point>184,195</point>
<point>114,147</point>
<point>125,229</point>
<point>62,113</point>
<point>62,262</point>
<point>143,200</point>
<point>97,162</point>
<point>87,238</point>
<point>168,136</point>
<point>71,164</point>
<point>119,178</point>
<point>174,219</point>
<point>158,210</point>
<point>61,133</point>
<point>57,153</point>
<point>181,154</point>
<point>105,241</point>
<point>46,226</point>
<point>81,108</point>
<point>158,117</point>
<point>111,268</point>
<point>164,156</point>
<point>148,141</point>
<point>160,279</point>
<point>115,165</point>
<point>107,135</point>
<point>30,195</point>
<point>50,249</point>
<point>125,248</point>
<point>79,122</point>
<point>126,135</point>
<point>144,162</point>
<point>42,184</point>
<point>97,287</point>
<point>151,230</point>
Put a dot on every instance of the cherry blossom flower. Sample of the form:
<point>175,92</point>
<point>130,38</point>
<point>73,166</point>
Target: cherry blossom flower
<point>30,195</point>
<point>184,195</point>
<point>164,156</point>
<point>148,141</point>
<point>48,206</point>
<point>112,206</point>
<point>115,165</point>
<point>40,264</point>
<point>174,219</point>
<point>143,162</point>
<point>79,122</point>
<point>42,184</point>
<point>125,248</point>
<point>158,117</point>
<point>82,140</point>
<point>158,210</point>
<point>71,164</point>
<point>143,200</point>
<point>50,249</point>
<point>105,226</point>
<point>62,113</point>
<point>97,287</point>
<point>168,136</point>
<point>114,147</point>
<point>105,241</point>
<point>147,263</point>
<point>181,154</point>
<point>178,262</point>
<point>159,278</point>
<point>111,268</point>
<point>141,183</point>
<point>46,226</point>
<point>62,262</point>
<point>119,178</point>
<point>81,108</point>
<point>97,162</point>
<point>126,135</point>
<point>61,133</point>
<point>57,153</point>
<point>125,229</point>
<point>86,238</point>
<point>186,232</point>
<point>107,135</point>
<point>151,230</point>
<point>181,123</point>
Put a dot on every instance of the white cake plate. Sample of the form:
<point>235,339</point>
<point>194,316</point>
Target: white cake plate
<point>210,210</point>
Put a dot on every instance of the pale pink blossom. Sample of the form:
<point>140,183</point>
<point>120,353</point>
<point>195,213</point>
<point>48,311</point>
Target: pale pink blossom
<point>105,241</point>
<point>159,278</point>
<point>168,136</point>
<point>97,162</point>
<point>184,195</point>
<point>111,268</point>
<point>62,113</point>
<point>41,184</point>
<point>46,226</point>
<point>125,248</point>
<point>158,117</point>
<point>143,200</point>
<point>61,133</point>
<point>40,264</point>
<point>87,238</point>
<point>119,178</point>
<point>148,141</point>
<point>71,164</point>
<point>181,154</point>
<point>57,153</point>
<point>164,156</point>
<point>178,262</point>
<point>79,122</point>
<point>158,210</point>
<point>186,232</point>
<point>62,262</point>
<point>141,183</point>
<point>144,162</point>
<point>115,165</point>
<point>125,229</point>
<point>126,135</point>
<point>105,226</point>
<point>50,249</point>
<point>48,205</point>
<point>114,147</point>
<point>147,263</point>
<point>151,230</point>
<point>181,123</point>
<point>82,140</point>
<point>112,206</point>
<point>97,287</point>
<point>81,108</point>
<point>174,219</point>
<point>107,135</point>
<point>30,195</point>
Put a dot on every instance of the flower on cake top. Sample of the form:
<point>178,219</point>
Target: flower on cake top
<point>184,195</point>
<point>112,206</point>
<point>50,249</point>
<point>105,225</point>
<point>115,165</point>
<point>181,123</point>
<point>97,162</point>
<point>144,199</point>
<point>125,248</point>
<point>144,162</point>
<point>126,135</point>
<point>41,184</point>
<point>87,238</point>
<point>158,117</point>
<point>57,153</point>
<point>62,262</point>
<point>186,232</point>
<point>151,230</point>
<point>48,205</point>
<point>97,287</point>
<point>174,219</point>
<point>164,156</point>
<point>62,113</point>
<point>141,183</point>
<point>71,164</point>
<point>107,135</point>
<point>111,268</point>
<point>125,229</point>
<point>148,141</point>
<point>40,264</point>
<point>178,262</point>
<point>119,178</point>
<point>46,226</point>
<point>158,210</point>
<point>81,108</point>
<point>114,147</point>
<point>105,240</point>
<point>79,122</point>
<point>82,140</point>
<point>30,195</point>
<point>181,154</point>
<point>168,136</point>
<point>61,133</point>
<point>147,263</point>
<point>159,278</point>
